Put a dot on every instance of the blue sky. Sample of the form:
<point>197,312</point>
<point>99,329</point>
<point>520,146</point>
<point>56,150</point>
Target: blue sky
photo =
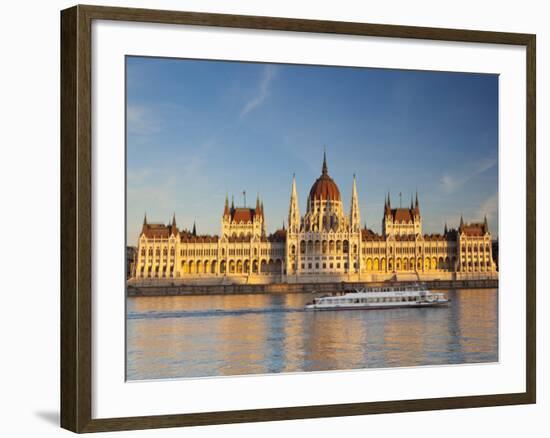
<point>198,130</point>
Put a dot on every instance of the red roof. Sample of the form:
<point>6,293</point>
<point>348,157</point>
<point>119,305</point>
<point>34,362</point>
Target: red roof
<point>473,230</point>
<point>278,236</point>
<point>402,215</point>
<point>368,234</point>
<point>324,188</point>
<point>243,214</point>
<point>158,231</point>
<point>434,237</point>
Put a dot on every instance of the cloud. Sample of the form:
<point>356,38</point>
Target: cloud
<point>268,74</point>
<point>451,183</point>
<point>141,121</point>
<point>489,207</point>
<point>138,175</point>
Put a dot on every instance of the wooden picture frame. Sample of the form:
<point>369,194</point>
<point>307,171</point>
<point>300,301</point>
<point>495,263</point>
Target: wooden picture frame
<point>76,217</point>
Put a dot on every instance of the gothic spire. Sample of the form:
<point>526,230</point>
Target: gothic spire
<point>486,224</point>
<point>174,220</point>
<point>354,209</point>
<point>417,205</point>
<point>232,203</point>
<point>226,206</point>
<point>293,211</point>
<point>194,229</point>
<point>145,219</point>
<point>445,230</point>
<point>325,168</point>
<point>461,221</point>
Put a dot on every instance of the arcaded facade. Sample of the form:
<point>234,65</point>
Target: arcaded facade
<point>325,244</point>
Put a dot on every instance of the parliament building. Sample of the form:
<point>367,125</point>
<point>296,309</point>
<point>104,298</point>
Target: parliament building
<point>323,245</point>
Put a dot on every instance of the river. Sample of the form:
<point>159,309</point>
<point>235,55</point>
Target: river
<point>222,335</point>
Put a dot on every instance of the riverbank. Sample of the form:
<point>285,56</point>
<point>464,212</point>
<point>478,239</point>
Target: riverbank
<point>237,289</point>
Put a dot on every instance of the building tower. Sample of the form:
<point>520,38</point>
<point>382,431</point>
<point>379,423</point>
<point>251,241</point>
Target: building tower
<point>354,215</point>
<point>294,211</point>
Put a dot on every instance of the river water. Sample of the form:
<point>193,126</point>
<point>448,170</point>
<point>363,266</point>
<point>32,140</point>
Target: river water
<point>198,336</point>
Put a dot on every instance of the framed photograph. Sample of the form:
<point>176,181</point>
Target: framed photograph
<point>268,218</point>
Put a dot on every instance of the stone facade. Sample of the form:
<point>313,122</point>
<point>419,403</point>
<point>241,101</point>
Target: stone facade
<point>324,245</point>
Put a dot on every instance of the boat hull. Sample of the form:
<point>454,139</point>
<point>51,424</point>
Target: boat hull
<point>378,306</point>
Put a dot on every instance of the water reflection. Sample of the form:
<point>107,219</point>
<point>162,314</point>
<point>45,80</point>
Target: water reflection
<point>200,336</point>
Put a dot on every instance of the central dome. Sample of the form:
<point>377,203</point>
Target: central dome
<point>324,188</point>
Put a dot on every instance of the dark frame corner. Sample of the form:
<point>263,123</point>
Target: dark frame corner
<point>76,172</point>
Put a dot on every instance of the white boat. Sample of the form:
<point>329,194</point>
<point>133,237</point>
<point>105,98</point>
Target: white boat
<point>385,297</point>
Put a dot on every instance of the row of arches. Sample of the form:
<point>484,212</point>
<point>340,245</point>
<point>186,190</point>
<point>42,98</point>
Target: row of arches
<point>475,247</point>
<point>410,264</point>
<point>238,266</point>
<point>324,247</point>
<point>213,267</point>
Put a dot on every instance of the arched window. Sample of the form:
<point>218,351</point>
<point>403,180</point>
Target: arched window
<point>346,247</point>
<point>172,252</point>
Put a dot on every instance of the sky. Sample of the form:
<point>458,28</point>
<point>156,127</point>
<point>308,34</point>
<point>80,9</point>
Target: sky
<point>199,130</point>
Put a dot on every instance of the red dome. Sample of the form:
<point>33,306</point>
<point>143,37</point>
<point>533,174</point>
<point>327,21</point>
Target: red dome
<point>324,188</point>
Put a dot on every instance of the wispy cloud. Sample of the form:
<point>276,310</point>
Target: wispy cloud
<point>268,74</point>
<point>489,207</point>
<point>141,121</point>
<point>450,183</point>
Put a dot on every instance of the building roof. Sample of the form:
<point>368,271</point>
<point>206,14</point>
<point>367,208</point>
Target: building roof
<point>241,214</point>
<point>474,229</point>
<point>368,234</point>
<point>190,238</point>
<point>277,236</point>
<point>158,231</point>
<point>434,237</point>
<point>405,215</point>
<point>324,188</point>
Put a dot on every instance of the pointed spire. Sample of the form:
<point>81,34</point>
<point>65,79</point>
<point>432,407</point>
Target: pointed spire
<point>325,168</point>
<point>354,208</point>
<point>284,224</point>
<point>445,230</point>
<point>145,219</point>
<point>194,232</point>
<point>232,203</point>
<point>293,211</point>
<point>417,205</point>
<point>461,221</point>
<point>226,206</point>
<point>174,220</point>
<point>485,224</point>
<point>387,205</point>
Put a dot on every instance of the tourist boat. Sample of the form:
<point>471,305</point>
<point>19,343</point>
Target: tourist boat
<point>385,297</point>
